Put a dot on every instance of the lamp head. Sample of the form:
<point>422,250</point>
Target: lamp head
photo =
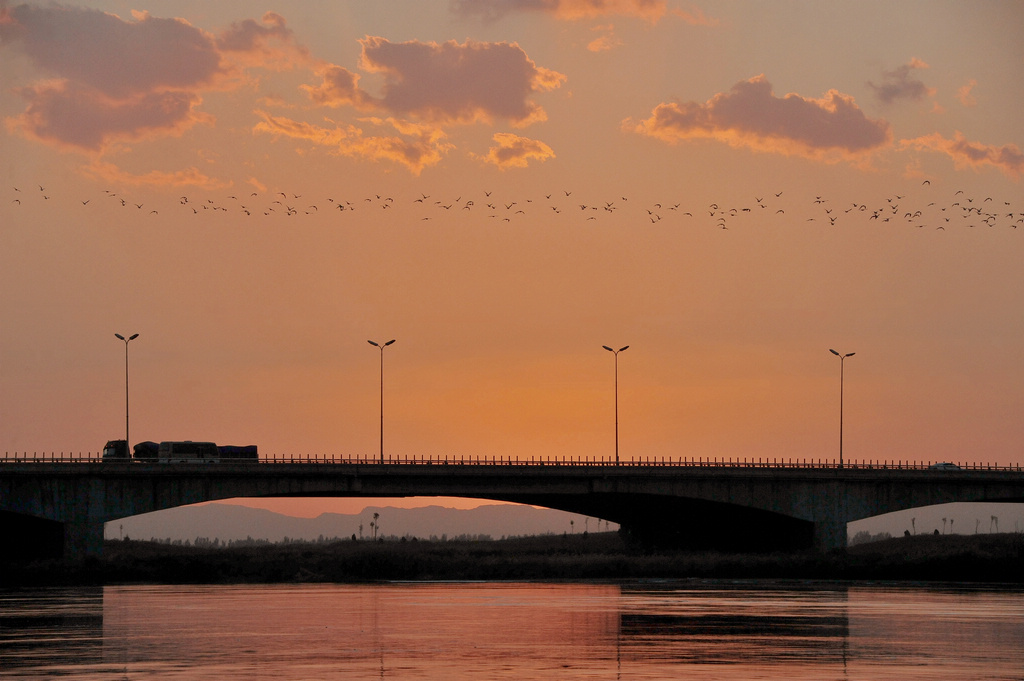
<point>373,344</point>
<point>833,352</point>
<point>607,348</point>
<point>389,342</point>
<point>119,336</point>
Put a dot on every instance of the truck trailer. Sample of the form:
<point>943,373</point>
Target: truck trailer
<point>185,451</point>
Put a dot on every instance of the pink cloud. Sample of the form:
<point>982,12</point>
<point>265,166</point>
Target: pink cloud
<point>339,87</point>
<point>900,84</point>
<point>428,86</point>
<point>751,116</point>
<point>965,93</point>
<point>605,42</point>
<point>572,10</point>
<point>696,17</point>
<point>102,51</point>
<point>513,151</point>
<point>72,116</point>
<point>415,146</point>
<point>269,44</point>
<point>651,10</point>
<point>113,80</point>
<point>190,177</point>
<point>458,83</point>
<point>1007,158</point>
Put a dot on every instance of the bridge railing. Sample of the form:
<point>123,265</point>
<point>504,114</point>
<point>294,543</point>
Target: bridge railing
<point>460,460</point>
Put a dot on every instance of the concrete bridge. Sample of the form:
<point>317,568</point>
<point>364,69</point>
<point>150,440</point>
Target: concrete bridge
<point>58,507</point>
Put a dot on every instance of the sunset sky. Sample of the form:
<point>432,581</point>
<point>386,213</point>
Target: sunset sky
<point>504,186</point>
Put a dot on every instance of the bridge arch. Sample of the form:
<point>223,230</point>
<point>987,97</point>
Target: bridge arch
<point>966,517</point>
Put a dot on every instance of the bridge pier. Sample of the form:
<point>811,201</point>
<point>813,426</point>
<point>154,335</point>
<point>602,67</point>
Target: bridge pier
<point>829,535</point>
<point>82,539</point>
<point>830,509</point>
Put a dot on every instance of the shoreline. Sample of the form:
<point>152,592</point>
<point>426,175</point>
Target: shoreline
<point>991,559</point>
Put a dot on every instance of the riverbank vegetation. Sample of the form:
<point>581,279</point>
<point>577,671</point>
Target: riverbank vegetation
<point>601,556</point>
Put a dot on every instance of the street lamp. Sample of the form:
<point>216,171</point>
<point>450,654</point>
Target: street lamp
<point>842,365</point>
<point>616,353</point>
<point>127,440</point>
<point>381,346</point>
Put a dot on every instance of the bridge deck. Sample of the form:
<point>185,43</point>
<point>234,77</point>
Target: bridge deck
<point>694,502</point>
<point>646,462</point>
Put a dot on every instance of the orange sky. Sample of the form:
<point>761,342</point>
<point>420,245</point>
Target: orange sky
<point>505,186</point>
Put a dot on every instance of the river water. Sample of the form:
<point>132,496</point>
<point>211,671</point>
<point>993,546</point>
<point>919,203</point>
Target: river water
<point>455,631</point>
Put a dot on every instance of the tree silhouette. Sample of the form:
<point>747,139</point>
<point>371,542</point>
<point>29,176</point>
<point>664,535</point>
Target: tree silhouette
<point>375,525</point>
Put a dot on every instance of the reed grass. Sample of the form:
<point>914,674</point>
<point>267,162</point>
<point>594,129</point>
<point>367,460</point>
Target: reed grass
<point>603,556</point>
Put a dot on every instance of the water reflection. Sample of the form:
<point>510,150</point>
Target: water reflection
<point>712,624</point>
<point>497,631</point>
<point>50,626</point>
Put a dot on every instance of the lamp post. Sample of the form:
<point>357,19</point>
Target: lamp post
<point>381,346</point>
<point>616,353</point>
<point>127,440</point>
<point>842,365</point>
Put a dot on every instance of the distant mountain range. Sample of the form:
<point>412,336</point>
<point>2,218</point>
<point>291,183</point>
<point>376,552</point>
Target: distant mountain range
<point>228,522</point>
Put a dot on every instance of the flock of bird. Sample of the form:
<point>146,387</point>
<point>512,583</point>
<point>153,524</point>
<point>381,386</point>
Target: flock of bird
<point>921,208</point>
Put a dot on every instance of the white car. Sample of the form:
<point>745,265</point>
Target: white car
<point>944,466</point>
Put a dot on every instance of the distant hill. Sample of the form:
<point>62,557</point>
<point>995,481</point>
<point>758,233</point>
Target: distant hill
<point>228,522</point>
